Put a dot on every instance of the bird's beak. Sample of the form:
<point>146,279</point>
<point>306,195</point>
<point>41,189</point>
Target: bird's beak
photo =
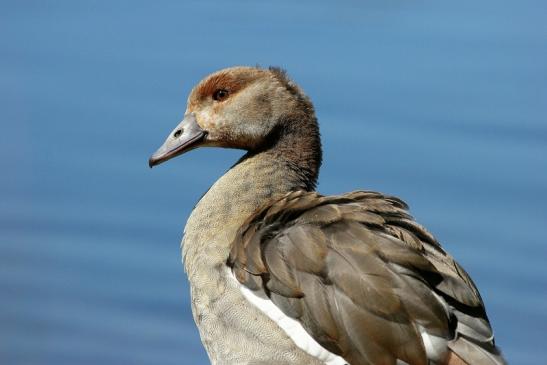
<point>185,137</point>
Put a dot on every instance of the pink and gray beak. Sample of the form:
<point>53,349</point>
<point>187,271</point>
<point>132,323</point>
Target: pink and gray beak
<point>185,137</point>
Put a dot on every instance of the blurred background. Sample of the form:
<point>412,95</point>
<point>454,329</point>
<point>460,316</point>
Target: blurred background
<point>441,103</point>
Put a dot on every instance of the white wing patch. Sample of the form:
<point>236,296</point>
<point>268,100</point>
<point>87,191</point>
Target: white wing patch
<point>435,347</point>
<point>292,328</point>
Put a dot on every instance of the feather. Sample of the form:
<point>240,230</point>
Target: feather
<point>363,278</point>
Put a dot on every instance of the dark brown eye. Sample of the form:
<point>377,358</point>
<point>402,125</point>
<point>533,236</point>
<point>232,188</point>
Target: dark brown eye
<point>220,95</point>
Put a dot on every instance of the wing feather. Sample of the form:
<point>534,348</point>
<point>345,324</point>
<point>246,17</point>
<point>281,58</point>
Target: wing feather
<point>363,278</point>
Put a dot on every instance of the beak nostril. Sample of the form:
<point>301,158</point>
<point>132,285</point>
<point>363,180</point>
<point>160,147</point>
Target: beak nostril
<point>177,133</point>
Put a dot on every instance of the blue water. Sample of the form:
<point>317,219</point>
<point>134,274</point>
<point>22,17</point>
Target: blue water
<point>441,103</point>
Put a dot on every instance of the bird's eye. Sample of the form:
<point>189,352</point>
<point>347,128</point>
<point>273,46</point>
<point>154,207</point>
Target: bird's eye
<point>220,95</point>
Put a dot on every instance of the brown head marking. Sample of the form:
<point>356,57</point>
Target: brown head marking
<point>232,80</point>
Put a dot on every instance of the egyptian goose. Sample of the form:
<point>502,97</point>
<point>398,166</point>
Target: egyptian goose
<point>280,274</point>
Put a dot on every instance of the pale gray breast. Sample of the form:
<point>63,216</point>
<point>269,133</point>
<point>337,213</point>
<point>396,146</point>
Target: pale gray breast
<point>232,329</point>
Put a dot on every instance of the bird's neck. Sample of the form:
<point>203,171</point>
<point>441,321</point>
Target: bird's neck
<point>290,163</point>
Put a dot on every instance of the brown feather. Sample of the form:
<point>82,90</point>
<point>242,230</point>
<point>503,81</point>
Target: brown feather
<point>361,276</point>
<point>222,80</point>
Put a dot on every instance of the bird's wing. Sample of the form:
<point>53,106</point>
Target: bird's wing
<point>364,279</point>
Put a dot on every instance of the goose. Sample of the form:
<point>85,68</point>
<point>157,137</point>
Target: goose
<point>280,274</point>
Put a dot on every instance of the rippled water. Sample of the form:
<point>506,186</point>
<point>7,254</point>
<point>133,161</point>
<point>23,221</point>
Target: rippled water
<point>441,104</point>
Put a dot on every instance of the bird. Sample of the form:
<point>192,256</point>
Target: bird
<point>281,274</point>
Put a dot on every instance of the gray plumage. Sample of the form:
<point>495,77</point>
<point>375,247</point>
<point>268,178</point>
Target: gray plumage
<point>363,278</point>
<point>356,277</point>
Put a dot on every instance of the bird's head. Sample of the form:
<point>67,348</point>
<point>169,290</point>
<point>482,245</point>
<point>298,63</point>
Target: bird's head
<point>238,107</point>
